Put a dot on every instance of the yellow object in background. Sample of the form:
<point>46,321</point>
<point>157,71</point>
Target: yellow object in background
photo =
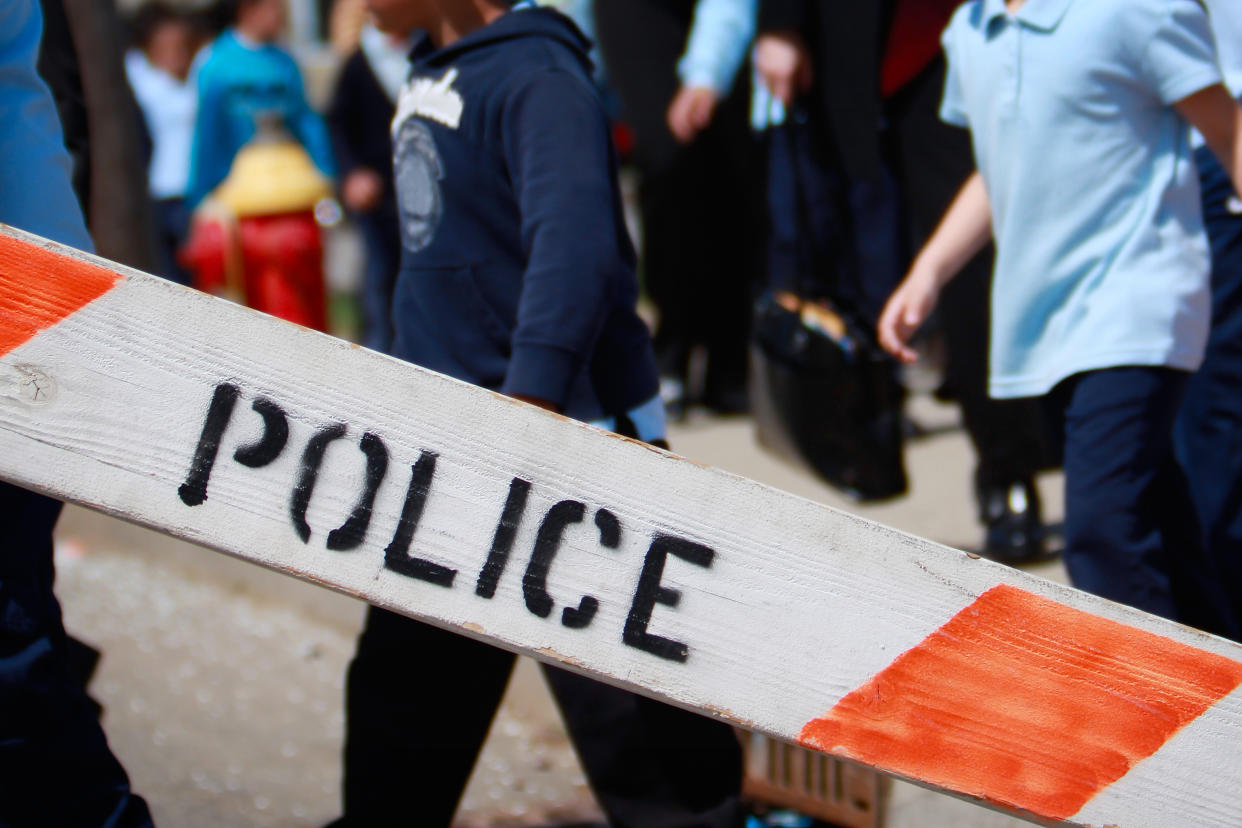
<point>272,174</point>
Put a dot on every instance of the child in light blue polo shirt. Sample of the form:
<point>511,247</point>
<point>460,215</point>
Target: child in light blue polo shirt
<point>1079,114</point>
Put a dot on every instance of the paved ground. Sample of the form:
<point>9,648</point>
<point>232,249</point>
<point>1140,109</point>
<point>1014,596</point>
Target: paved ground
<point>222,682</point>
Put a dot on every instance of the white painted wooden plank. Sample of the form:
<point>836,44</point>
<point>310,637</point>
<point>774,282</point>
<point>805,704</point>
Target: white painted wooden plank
<point>1194,772</point>
<point>770,611</point>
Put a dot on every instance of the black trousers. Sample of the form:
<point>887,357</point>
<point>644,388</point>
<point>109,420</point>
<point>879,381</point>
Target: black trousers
<point>172,229</point>
<point>700,203</point>
<point>55,764</point>
<point>381,235</point>
<point>932,161</point>
<point>420,701</point>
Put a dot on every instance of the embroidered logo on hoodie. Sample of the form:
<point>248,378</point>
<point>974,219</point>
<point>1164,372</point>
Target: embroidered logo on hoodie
<point>434,99</point>
<point>417,163</point>
<point>418,173</point>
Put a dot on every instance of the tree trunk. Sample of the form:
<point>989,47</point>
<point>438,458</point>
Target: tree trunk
<point>120,211</point>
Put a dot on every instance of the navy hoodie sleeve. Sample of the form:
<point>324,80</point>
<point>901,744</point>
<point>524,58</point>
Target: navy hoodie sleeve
<point>623,367</point>
<point>558,153</point>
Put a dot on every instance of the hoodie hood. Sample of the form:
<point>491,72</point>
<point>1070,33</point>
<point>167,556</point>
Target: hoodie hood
<point>519,23</point>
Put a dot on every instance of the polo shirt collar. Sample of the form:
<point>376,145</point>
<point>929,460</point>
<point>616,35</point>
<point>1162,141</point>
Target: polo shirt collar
<point>993,9</point>
<point>1038,14</point>
<point>1043,14</point>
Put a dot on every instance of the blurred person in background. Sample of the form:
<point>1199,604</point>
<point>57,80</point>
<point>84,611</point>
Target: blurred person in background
<point>244,75</point>
<point>359,119</point>
<point>872,73</point>
<point>261,168</point>
<point>158,68</point>
<point>60,68</point>
<point>55,764</point>
<point>345,21</point>
<point>1208,432</point>
<point>675,65</point>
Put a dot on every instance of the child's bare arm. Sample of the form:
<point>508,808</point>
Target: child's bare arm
<point>1216,115</point>
<point>963,232</point>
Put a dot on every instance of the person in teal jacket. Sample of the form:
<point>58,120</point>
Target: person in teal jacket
<point>244,75</point>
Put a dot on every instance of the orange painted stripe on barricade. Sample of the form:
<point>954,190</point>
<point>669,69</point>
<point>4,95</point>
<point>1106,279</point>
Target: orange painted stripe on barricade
<point>50,288</point>
<point>1026,703</point>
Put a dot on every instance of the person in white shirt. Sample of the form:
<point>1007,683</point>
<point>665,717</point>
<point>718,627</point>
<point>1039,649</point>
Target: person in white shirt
<point>159,71</point>
<point>677,69</point>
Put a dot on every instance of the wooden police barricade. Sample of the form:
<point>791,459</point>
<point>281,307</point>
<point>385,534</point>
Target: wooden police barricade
<point>465,509</point>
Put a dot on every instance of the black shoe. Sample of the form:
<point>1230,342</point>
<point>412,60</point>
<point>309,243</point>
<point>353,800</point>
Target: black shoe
<point>729,402</point>
<point>673,395</point>
<point>1015,527</point>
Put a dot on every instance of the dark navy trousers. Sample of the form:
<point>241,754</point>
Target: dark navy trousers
<point>382,237</point>
<point>420,701</point>
<point>1130,529</point>
<point>55,765</point>
<point>1208,435</point>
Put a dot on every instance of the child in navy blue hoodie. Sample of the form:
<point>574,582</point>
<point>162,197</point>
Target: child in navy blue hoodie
<point>517,272</point>
<point>517,275</point>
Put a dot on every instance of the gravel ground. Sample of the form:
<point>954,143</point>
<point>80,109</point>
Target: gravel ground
<point>227,710</point>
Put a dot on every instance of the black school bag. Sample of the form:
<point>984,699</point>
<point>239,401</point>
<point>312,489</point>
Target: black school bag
<point>823,393</point>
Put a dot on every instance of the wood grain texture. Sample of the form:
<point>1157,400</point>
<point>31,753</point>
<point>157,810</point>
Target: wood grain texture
<point>462,508</point>
<point>1062,703</point>
<point>50,290</point>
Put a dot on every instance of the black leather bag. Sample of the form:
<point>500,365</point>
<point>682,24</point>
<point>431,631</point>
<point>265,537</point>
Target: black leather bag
<point>822,392</point>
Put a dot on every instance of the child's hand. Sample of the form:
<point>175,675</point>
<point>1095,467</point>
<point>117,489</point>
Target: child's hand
<point>906,310</point>
<point>963,232</point>
<point>691,111</point>
<point>362,189</point>
<point>783,64</point>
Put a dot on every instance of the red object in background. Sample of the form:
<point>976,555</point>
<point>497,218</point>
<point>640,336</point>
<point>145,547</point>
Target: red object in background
<point>913,41</point>
<point>623,140</point>
<point>273,263</point>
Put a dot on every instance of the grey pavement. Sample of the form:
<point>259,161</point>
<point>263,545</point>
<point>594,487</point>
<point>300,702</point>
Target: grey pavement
<point>222,683</point>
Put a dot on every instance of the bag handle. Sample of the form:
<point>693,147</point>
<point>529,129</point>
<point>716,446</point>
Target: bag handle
<point>803,146</point>
<point>797,127</point>
<point>802,210</point>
